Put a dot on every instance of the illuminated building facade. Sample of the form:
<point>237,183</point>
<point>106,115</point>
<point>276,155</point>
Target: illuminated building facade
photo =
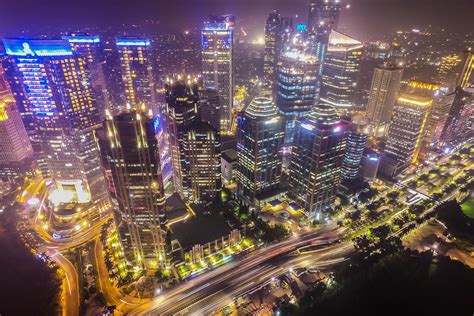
<point>260,136</point>
<point>135,165</point>
<point>382,97</point>
<point>90,48</point>
<point>217,66</point>
<point>466,78</point>
<point>355,145</point>
<point>16,153</point>
<point>448,69</point>
<point>272,28</point>
<point>323,17</point>
<point>202,162</point>
<point>136,69</point>
<point>407,129</point>
<point>340,71</point>
<point>210,107</point>
<point>316,160</point>
<point>182,103</point>
<point>51,85</point>
<point>459,120</point>
<point>296,88</point>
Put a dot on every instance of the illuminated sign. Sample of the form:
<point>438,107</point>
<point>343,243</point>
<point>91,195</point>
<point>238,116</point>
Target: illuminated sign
<point>301,27</point>
<point>40,48</point>
<point>307,126</point>
<point>337,129</point>
<point>215,26</point>
<point>133,42</point>
<point>423,85</point>
<point>82,39</point>
<point>273,120</point>
<point>156,124</point>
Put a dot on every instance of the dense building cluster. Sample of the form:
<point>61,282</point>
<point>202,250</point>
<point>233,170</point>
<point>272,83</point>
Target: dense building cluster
<point>112,125</point>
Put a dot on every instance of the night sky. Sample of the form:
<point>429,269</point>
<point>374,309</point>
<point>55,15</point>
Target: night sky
<point>365,19</point>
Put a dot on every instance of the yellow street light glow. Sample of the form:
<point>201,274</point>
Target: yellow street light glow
<point>414,102</point>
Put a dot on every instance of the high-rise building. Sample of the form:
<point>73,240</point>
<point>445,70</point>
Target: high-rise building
<point>448,69</point>
<point>316,160</point>
<point>406,130</point>
<point>217,66</point>
<point>51,85</point>
<point>355,145</point>
<point>272,27</point>
<point>202,162</point>
<point>16,153</point>
<point>210,107</point>
<point>457,122</point>
<point>382,97</point>
<point>322,18</point>
<point>136,68</point>
<point>91,49</point>
<point>466,78</point>
<point>135,165</point>
<point>182,103</point>
<point>260,136</point>
<point>296,88</point>
<point>340,71</point>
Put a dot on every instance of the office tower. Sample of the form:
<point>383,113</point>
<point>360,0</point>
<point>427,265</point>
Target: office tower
<point>448,69</point>
<point>260,136</point>
<point>272,27</point>
<point>355,145</point>
<point>164,152</point>
<point>316,160</point>
<point>91,49</point>
<point>296,88</point>
<point>340,71</point>
<point>210,107</point>
<point>136,172</point>
<point>182,102</point>
<point>113,76</point>
<point>457,125</point>
<point>443,98</point>
<point>370,166</point>
<point>52,88</point>
<point>217,66</point>
<point>16,153</point>
<point>202,162</point>
<point>466,78</point>
<point>322,18</point>
<point>406,130</point>
<point>382,97</point>
<point>136,68</point>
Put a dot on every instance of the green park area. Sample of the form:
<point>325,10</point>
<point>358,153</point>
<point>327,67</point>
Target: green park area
<point>468,207</point>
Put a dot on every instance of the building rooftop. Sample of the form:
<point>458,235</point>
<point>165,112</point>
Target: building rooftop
<point>342,42</point>
<point>262,108</point>
<point>229,155</point>
<point>323,114</point>
<point>206,226</point>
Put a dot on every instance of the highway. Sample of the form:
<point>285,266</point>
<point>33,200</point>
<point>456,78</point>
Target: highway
<point>222,284</point>
<point>70,294</point>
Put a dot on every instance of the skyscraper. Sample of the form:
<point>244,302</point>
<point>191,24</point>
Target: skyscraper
<point>406,131</point>
<point>16,153</point>
<point>340,71</point>
<point>322,18</point>
<point>202,162</point>
<point>52,88</point>
<point>133,157</point>
<point>316,160</point>
<point>182,102</point>
<point>448,69</point>
<point>466,78</point>
<point>272,27</point>
<point>355,145</point>
<point>217,66</point>
<point>91,49</point>
<point>452,130</point>
<point>382,97</point>
<point>136,69</point>
<point>259,141</point>
<point>210,107</point>
<point>296,87</point>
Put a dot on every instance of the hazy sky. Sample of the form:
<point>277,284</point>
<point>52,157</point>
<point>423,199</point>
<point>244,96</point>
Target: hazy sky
<point>365,18</point>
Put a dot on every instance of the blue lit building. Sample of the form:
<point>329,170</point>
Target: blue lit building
<point>351,164</point>
<point>296,87</point>
<point>136,68</point>
<point>90,47</point>
<point>217,65</point>
<point>316,160</point>
<point>52,89</point>
<point>260,136</point>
